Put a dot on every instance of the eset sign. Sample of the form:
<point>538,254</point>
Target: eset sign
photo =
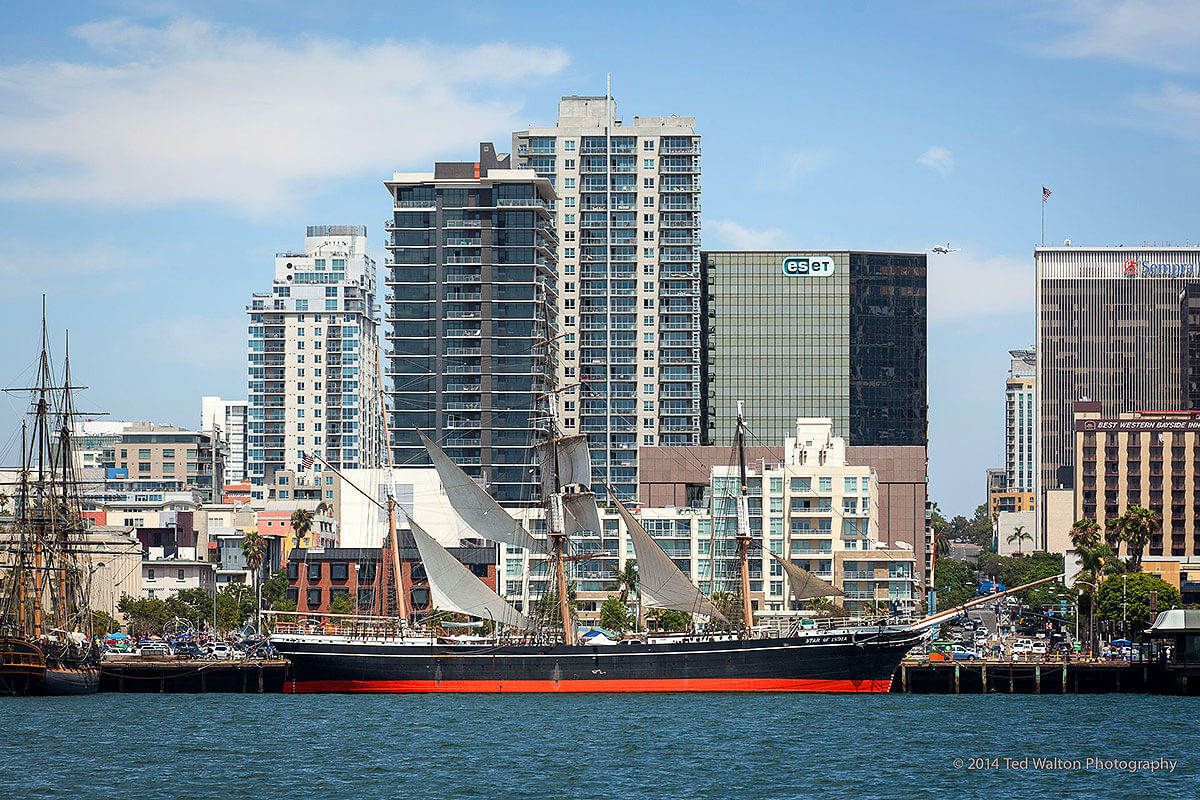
<point>809,266</point>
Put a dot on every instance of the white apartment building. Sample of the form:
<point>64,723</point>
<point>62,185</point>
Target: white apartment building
<point>1020,466</point>
<point>628,221</point>
<point>313,363</point>
<point>228,419</point>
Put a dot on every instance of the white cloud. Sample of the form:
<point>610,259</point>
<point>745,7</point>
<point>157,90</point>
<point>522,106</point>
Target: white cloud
<point>196,111</point>
<point>801,163</point>
<point>734,236</point>
<point>195,341</point>
<point>966,285</point>
<point>26,268</point>
<point>1162,34</point>
<point>938,159</point>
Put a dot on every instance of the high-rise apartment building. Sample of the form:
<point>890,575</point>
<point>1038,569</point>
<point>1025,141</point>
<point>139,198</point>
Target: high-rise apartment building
<point>1019,434</point>
<point>629,223</point>
<point>471,317</point>
<point>228,419</point>
<point>313,364</point>
<point>1109,330</point>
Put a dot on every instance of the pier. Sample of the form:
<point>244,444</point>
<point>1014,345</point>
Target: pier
<point>1048,677</point>
<point>193,677</point>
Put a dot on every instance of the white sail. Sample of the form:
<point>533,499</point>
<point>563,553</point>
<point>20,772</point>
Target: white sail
<point>574,462</point>
<point>661,583</point>
<point>452,587</point>
<point>581,513</point>
<point>476,507</point>
<point>805,585</point>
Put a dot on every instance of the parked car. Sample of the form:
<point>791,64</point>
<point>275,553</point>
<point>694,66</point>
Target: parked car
<point>960,653</point>
<point>220,651</point>
<point>981,632</point>
<point>1022,646</point>
<point>154,650</point>
<point>188,650</point>
<point>1038,648</point>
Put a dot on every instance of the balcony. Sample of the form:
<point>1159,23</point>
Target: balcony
<point>429,204</point>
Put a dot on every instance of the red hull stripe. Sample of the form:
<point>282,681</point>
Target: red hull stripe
<point>598,685</point>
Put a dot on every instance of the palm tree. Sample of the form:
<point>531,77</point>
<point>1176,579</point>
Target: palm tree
<point>1085,533</point>
<point>1019,535</point>
<point>941,541</point>
<point>302,520</point>
<point>254,550</point>
<point>627,581</point>
<point>1096,562</point>
<point>1139,526</point>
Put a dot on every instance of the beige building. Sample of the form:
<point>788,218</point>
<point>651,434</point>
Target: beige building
<point>1140,458</point>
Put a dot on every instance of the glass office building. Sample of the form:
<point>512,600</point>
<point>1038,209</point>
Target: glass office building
<point>816,334</point>
<point>471,317</point>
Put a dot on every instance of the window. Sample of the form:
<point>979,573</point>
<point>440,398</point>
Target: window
<point>648,145</point>
<point>314,571</point>
<point>647,163</point>
<point>293,570</point>
<point>825,484</point>
<point>143,453</point>
<point>851,485</point>
<point>648,236</point>
<point>801,484</point>
<point>144,466</point>
<point>647,405</point>
<point>569,145</point>
<point>648,303</point>
<point>313,598</point>
<point>568,202</point>
<point>568,219</point>
<point>776,485</point>
<point>568,163</point>
<point>648,219</point>
<point>648,201</point>
<point>302,305</point>
<point>647,269</point>
<point>648,439</point>
<point>339,571</point>
<point>568,183</point>
<point>850,505</point>
<point>647,252</point>
<point>179,576</point>
<point>866,484</point>
<point>331,305</point>
<point>150,577</point>
<point>169,453</point>
<point>648,423</point>
<point>647,183</point>
<point>647,338</point>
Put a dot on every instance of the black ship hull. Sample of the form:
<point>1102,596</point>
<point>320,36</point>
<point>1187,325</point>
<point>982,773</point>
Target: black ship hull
<point>22,667</point>
<point>851,661</point>
<point>62,679</point>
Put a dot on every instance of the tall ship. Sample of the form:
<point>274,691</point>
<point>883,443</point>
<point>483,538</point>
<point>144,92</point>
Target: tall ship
<point>47,644</point>
<point>724,651</point>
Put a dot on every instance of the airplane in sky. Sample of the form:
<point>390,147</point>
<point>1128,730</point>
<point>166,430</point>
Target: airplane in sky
<point>943,249</point>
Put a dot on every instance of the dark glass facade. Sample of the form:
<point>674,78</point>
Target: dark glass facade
<point>888,349</point>
<point>473,279</point>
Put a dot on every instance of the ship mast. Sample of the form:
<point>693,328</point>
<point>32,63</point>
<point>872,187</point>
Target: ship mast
<point>394,537</point>
<point>558,531</point>
<point>743,519</point>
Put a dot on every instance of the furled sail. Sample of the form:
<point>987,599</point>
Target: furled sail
<point>477,509</point>
<point>805,585</point>
<point>452,587</point>
<point>661,583</point>
<point>581,513</point>
<point>574,462</point>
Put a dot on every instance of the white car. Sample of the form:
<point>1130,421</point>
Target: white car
<point>220,651</point>
<point>1038,648</point>
<point>1022,646</point>
<point>981,632</point>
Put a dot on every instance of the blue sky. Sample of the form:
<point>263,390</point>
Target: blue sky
<point>154,156</point>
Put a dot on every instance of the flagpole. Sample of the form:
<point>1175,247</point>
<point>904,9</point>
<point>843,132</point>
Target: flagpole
<point>1043,217</point>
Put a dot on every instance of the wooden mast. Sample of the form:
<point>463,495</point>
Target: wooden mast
<point>743,533</point>
<point>393,536</point>
<point>558,532</point>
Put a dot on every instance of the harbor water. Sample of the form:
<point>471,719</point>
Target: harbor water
<point>599,746</point>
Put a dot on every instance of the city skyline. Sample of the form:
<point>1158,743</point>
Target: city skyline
<point>133,138</point>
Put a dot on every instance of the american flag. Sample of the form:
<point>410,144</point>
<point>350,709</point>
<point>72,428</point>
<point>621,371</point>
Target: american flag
<point>1045,194</point>
<point>306,460</point>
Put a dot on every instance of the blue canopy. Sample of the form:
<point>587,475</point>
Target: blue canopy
<point>117,635</point>
<point>1120,643</point>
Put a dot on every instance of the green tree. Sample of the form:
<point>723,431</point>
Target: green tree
<point>103,624</point>
<point>1019,535</point>
<point>254,550</point>
<point>235,605</point>
<point>669,620</point>
<point>274,592</point>
<point>1127,597</point>
<point>342,603</point>
<point>614,615</point>
<point>193,605</point>
<point>145,616</point>
<point>1137,527</point>
<point>954,582</point>
<point>1085,533</point>
<point>302,520</point>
